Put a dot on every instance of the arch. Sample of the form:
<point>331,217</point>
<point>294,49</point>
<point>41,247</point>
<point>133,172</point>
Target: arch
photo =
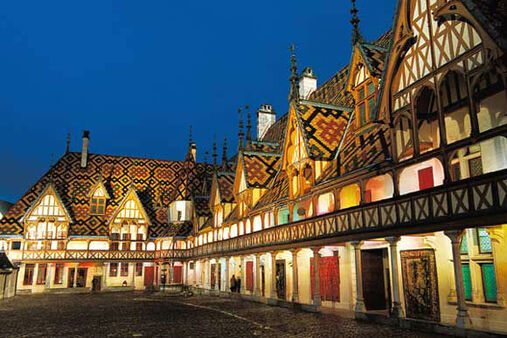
<point>150,246</point>
<point>248,227</point>
<point>454,99</point>
<point>489,99</point>
<point>426,112</point>
<point>403,135</point>
<point>234,230</point>
<point>325,203</point>
<point>379,188</point>
<point>350,196</point>
<point>257,223</point>
<point>421,175</point>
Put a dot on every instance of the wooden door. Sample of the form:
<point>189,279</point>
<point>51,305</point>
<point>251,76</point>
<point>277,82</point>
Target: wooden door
<point>177,274</point>
<point>329,277</point>
<point>81,277</point>
<point>219,276</point>
<point>70,279</point>
<point>373,279</point>
<point>99,283</point>
<point>280,278</point>
<point>148,275</point>
<point>249,276</point>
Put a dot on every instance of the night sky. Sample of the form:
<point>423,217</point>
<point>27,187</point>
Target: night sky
<point>137,74</point>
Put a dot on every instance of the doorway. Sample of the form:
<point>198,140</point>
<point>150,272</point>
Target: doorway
<point>70,279</point>
<point>280,278</point>
<point>373,272</point>
<point>81,277</point>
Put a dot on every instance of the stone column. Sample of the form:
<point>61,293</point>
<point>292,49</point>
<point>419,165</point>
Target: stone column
<point>316,277</point>
<point>49,271</point>
<point>257,290</point>
<point>359,308</point>
<point>217,274</point>
<point>397,310</point>
<point>75,276</point>
<point>226,273</point>
<point>133,274</point>
<point>273,275</point>
<point>105,273</point>
<point>195,273</point>
<point>295,286</point>
<point>462,318</point>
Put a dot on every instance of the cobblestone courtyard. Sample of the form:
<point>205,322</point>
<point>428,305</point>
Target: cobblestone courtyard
<point>137,314</point>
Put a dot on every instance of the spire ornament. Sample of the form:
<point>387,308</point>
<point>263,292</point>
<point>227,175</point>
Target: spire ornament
<point>67,147</point>
<point>356,34</point>
<point>248,127</point>
<point>294,77</point>
<point>224,154</point>
<point>240,132</point>
<point>190,135</point>
<point>214,151</point>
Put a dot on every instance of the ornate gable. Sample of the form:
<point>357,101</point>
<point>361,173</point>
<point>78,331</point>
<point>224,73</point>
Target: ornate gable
<point>130,209</point>
<point>48,204</point>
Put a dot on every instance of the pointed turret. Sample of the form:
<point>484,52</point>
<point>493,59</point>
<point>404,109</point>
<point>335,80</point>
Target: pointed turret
<point>294,78</point>
<point>356,34</point>
<point>224,154</point>
<point>240,131</point>
<point>214,151</point>
<point>248,127</point>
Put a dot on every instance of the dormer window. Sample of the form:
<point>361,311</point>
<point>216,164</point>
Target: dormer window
<point>364,93</point>
<point>98,197</point>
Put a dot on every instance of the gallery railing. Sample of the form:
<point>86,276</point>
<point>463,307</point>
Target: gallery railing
<point>472,202</point>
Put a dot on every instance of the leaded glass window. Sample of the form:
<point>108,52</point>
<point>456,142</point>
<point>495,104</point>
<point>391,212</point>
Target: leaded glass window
<point>489,282</point>
<point>464,245</point>
<point>484,241</point>
<point>467,280</point>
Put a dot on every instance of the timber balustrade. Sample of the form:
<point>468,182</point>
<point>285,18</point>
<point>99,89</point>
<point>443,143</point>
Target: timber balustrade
<point>478,201</point>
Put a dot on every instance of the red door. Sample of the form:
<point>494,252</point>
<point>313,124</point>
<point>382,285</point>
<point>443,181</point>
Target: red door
<point>425,178</point>
<point>177,274</point>
<point>249,276</point>
<point>329,277</point>
<point>148,275</point>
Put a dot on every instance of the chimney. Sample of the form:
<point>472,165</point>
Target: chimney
<point>307,83</point>
<point>84,151</point>
<point>193,150</point>
<point>266,117</point>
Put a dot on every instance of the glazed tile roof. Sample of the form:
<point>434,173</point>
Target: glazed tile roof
<point>232,217</point>
<point>179,229</point>
<point>5,206</point>
<point>365,148</point>
<point>276,133</point>
<point>323,127</point>
<point>333,90</point>
<point>278,191</point>
<point>374,57</point>
<point>226,186</point>
<point>260,168</point>
<point>264,147</point>
<point>154,181</point>
<point>201,206</point>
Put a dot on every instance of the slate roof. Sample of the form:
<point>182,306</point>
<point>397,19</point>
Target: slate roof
<point>5,206</point>
<point>278,191</point>
<point>323,128</point>
<point>374,57</point>
<point>333,90</point>
<point>154,180</point>
<point>201,206</point>
<point>276,133</point>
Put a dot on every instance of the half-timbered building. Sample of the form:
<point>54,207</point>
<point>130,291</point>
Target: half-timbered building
<point>381,193</point>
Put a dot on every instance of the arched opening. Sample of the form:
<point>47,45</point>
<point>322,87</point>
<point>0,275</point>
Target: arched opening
<point>257,223</point>
<point>404,141</point>
<point>427,120</point>
<point>325,203</point>
<point>350,196</point>
<point>455,106</point>
<point>379,188</point>
<point>421,176</point>
<point>302,210</point>
<point>489,98</point>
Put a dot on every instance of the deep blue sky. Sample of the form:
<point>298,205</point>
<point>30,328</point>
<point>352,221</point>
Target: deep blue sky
<point>138,73</point>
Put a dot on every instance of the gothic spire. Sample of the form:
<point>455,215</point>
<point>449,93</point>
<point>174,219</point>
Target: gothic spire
<point>294,78</point>
<point>248,127</point>
<point>190,136</point>
<point>224,154</point>
<point>356,34</point>
<point>214,151</point>
<point>240,132</point>
<point>67,147</point>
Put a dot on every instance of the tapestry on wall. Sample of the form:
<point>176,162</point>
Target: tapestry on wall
<point>420,284</point>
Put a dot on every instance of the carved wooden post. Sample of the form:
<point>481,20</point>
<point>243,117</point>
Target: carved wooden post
<point>226,273</point>
<point>257,291</point>
<point>462,318</point>
<point>273,275</point>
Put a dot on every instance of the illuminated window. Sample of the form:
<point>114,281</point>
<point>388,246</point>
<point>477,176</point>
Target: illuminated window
<point>139,269</point>
<point>365,98</point>
<point>41,274</point>
<point>124,269</point>
<point>28,277</point>
<point>113,269</point>
<point>58,273</point>
<point>98,202</point>
<point>467,280</point>
<point>489,282</point>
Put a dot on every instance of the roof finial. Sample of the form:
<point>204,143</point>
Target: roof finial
<point>248,126</point>
<point>294,83</point>
<point>224,154</point>
<point>190,135</point>
<point>240,132</point>
<point>356,35</point>
<point>214,151</point>
<point>67,148</point>
<point>206,153</point>
<point>51,167</point>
